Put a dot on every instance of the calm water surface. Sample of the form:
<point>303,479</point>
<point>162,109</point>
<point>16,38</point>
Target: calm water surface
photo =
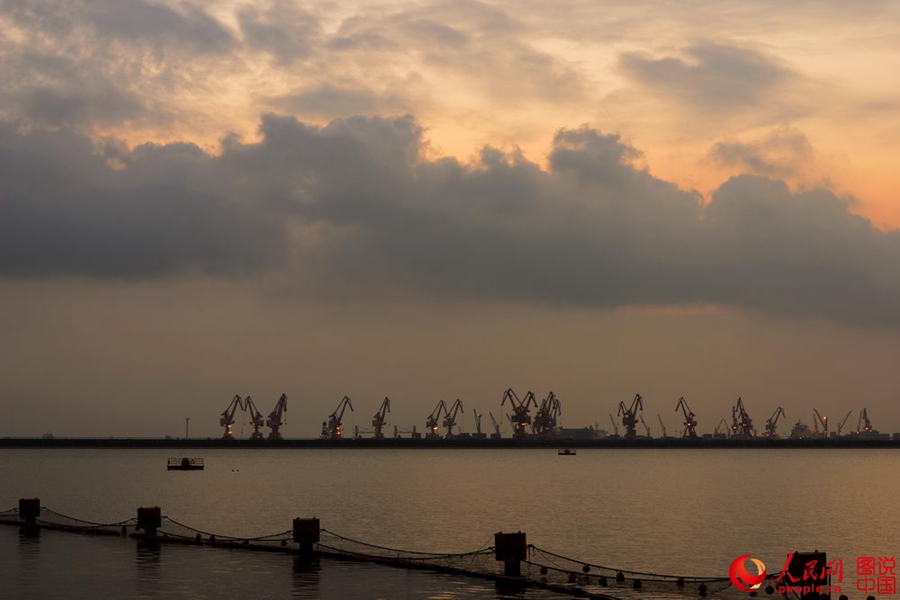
<point>668,511</point>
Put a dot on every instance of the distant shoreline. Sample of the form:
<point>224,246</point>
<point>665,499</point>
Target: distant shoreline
<point>481,444</point>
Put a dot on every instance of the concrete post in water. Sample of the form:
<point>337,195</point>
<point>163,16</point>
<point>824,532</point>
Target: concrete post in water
<point>149,519</point>
<point>511,549</point>
<point>306,533</point>
<point>29,510</point>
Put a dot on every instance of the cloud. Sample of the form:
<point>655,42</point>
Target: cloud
<point>359,204</point>
<point>719,79</point>
<point>329,100</point>
<point>283,30</point>
<point>60,107</point>
<point>779,154</point>
<point>66,212</point>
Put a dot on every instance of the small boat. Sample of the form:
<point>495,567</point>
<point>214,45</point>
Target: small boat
<point>185,464</point>
<point>566,452</point>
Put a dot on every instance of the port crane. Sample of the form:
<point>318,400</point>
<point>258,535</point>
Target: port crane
<point>772,424</point>
<point>662,426</point>
<point>379,420</point>
<point>256,418</point>
<point>276,418</point>
<point>820,419</point>
<point>226,419</point>
<point>690,420</point>
<point>864,425</point>
<point>629,415</point>
<point>843,422</point>
<point>478,434</point>
<point>721,424</point>
<point>334,428</point>
<point>520,417</point>
<point>450,417</point>
<point>742,424</point>
<point>496,435</point>
<point>433,420</point>
<point>545,420</point>
<point>646,427</point>
<point>615,425</point>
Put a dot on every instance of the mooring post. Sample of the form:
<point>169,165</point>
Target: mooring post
<point>306,533</point>
<point>511,549</point>
<point>29,510</point>
<point>149,518</point>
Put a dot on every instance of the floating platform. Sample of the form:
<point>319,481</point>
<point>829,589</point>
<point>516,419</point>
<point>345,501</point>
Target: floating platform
<point>185,464</point>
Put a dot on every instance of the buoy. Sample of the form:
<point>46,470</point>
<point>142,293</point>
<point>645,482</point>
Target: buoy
<point>586,569</point>
<point>571,577</point>
<point>843,597</point>
<point>198,538</point>
<point>770,590</point>
<point>543,570</point>
<point>620,576</point>
<point>702,589</point>
<point>680,582</point>
<point>212,539</point>
<point>637,584</point>
<point>603,582</point>
<point>283,543</point>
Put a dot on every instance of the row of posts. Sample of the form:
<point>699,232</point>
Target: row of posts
<point>509,548</point>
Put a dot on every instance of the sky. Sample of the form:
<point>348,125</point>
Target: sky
<point>441,200</point>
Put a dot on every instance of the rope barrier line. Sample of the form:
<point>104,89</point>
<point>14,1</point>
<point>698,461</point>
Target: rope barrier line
<point>542,569</point>
<point>657,576</point>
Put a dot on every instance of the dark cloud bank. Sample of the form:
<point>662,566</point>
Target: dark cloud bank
<point>357,201</point>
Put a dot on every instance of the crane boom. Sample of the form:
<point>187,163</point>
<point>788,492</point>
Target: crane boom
<point>615,426</point>
<point>276,418</point>
<point>630,417</point>
<point>380,418</point>
<point>772,424</point>
<point>256,418</point>
<point>478,433</point>
<point>496,425</point>
<point>335,426</point>
<point>520,417</point>
<point>226,419</point>
<point>662,426</point>
<point>864,425</point>
<point>646,427</point>
<point>742,424</point>
<point>820,419</point>
<point>690,420</point>
<point>843,422</point>
<point>433,420</point>
<point>450,418</point>
<point>545,420</point>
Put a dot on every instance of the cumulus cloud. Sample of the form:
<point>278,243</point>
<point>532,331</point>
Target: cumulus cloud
<point>359,200</point>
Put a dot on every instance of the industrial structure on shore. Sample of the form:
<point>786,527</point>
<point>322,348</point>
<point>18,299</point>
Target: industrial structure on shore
<point>443,423</point>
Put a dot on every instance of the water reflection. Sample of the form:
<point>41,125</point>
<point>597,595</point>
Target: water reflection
<point>306,577</point>
<point>148,561</point>
<point>29,559</point>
